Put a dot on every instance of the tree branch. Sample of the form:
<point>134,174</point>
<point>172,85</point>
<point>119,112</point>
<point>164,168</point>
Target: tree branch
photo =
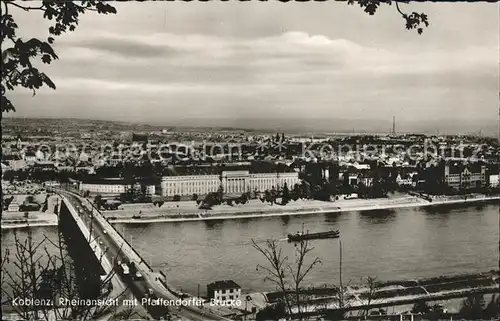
<point>399,10</point>
<point>22,7</point>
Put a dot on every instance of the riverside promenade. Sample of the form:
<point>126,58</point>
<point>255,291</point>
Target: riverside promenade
<point>398,293</point>
<point>188,211</point>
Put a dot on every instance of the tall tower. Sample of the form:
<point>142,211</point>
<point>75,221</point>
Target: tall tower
<point>394,125</point>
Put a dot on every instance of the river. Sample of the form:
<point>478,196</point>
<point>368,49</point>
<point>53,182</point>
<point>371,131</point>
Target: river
<point>388,244</point>
<point>404,243</point>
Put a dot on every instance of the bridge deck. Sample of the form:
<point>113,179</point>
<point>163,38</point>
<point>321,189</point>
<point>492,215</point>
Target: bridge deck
<point>151,280</point>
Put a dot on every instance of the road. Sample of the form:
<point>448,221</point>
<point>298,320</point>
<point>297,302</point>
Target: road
<point>121,289</point>
<point>117,250</point>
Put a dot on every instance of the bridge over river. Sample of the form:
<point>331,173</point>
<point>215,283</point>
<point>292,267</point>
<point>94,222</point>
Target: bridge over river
<point>107,243</point>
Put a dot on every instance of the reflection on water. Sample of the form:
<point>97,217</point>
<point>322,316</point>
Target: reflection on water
<point>332,218</point>
<point>143,225</point>
<point>380,216</point>
<point>479,207</point>
<point>285,219</point>
<point>245,220</point>
<point>210,224</point>
<point>438,209</point>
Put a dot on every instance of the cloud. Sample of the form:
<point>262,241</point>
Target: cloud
<point>126,47</point>
<point>295,73</point>
<point>287,62</point>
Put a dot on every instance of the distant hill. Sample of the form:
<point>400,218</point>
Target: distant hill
<point>290,125</point>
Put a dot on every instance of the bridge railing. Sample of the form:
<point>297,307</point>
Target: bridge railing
<point>178,294</point>
<point>99,254</point>
<point>105,224</point>
<point>109,226</point>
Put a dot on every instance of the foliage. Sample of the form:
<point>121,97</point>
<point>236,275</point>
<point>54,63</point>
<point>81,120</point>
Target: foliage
<point>46,203</point>
<point>18,55</point>
<point>31,270</point>
<point>98,201</point>
<point>269,197</point>
<point>371,282</point>
<point>136,193</point>
<point>285,198</point>
<point>6,202</point>
<point>492,310</point>
<point>37,175</point>
<point>413,21</point>
<point>287,276</point>
<point>272,312</point>
<point>474,308</point>
<point>421,307</point>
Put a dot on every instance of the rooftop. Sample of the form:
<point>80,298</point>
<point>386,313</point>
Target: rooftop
<point>223,285</point>
<point>118,181</point>
<point>217,170</point>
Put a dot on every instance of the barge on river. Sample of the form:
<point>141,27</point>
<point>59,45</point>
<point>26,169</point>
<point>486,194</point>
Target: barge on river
<point>297,237</point>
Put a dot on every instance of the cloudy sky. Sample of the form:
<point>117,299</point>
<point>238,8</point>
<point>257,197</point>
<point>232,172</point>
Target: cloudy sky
<point>180,62</point>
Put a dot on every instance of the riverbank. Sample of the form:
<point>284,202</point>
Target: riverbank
<point>13,220</point>
<point>35,219</point>
<point>187,211</point>
<point>403,293</point>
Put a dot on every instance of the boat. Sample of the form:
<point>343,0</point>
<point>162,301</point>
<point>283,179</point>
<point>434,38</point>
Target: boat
<point>297,237</point>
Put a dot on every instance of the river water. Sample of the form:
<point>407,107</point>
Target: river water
<point>404,243</point>
<point>387,244</point>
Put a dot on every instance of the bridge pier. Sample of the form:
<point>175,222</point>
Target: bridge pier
<point>87,267</point>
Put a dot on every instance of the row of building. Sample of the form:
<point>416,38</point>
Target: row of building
<point>232,182</point>
<point>241,180</point>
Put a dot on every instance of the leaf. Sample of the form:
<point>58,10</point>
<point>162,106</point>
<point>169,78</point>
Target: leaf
<point>46,48</point>
<point>47,81</point>
<point>50,40</point>
<point>105,8</point>
<point>6,105</point>
<point>46,59</point>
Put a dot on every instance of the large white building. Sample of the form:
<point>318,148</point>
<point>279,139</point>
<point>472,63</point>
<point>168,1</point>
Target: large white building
<point>189,184</point>
<point>232,182</point>
<point>223,291</point>
<point>494,182</point>
<point>111,187</point>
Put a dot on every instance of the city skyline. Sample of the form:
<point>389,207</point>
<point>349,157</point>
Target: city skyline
<point>299,126</point>
<point>177,64</point>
